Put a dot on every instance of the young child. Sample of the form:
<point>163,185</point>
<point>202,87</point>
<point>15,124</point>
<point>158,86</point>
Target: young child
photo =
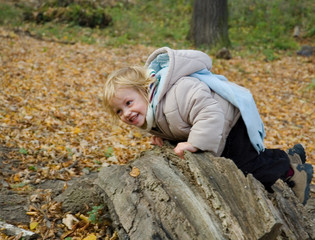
<point>176,97</point>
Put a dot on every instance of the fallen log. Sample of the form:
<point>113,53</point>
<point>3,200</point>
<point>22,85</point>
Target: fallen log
<point>199,197</point>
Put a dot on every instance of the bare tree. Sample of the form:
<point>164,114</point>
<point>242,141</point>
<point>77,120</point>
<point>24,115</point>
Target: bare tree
<point>209,25</point>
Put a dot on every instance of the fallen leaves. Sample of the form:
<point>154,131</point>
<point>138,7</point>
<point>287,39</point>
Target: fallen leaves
<point>44,213</point>
<point>50,108</point>
<point>48,220</point>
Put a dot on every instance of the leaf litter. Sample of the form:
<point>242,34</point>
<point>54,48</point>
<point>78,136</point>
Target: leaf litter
<point>51,111</point>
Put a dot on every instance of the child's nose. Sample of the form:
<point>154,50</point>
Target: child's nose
<point>127,113</point>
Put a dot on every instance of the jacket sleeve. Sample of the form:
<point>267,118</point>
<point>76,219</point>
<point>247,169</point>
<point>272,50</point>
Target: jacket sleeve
<point>202,112</point>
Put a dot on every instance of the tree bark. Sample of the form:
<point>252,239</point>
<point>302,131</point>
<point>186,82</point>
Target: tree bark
<point>209,26</point>
<point>199,197</point>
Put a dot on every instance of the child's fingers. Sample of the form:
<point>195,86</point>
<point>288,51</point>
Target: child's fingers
<point>153,140</point>
<point>157,141</point>
<point>179,152</point>
<point>179,149</point>
<point>182,146</point>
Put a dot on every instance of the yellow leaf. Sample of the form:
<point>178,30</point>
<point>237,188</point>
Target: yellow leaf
<point>90,237</point>
<point>137,134</point>
<point>16,178</point>
<point>60,148</point>
<point>134,172</point>
<point>84,218</point>
<point>33,225</point>
<point>76,130</point>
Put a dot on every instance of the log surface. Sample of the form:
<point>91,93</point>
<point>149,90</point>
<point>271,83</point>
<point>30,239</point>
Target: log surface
<point>199,197</point>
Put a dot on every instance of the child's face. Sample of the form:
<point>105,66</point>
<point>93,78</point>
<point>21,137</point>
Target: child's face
<point>130,106</point>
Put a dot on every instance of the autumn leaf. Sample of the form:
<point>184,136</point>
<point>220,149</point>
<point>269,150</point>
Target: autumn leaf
<point>84,218</point>
<point>33,225</point>
<point>16,178</point>
<point>90,237</point>
<point>69,221</point>
<point>135,172</point>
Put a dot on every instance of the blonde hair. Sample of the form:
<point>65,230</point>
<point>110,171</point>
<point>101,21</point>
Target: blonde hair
<point>136,77</point>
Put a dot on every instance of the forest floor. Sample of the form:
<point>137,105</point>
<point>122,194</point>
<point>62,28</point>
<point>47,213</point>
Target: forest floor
<point>53,126</point>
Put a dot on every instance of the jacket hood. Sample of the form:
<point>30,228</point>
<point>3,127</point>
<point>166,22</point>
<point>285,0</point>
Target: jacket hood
<point>181,63</point>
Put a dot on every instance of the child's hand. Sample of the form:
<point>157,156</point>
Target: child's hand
<point>157,141</point>
<point>182,146</point>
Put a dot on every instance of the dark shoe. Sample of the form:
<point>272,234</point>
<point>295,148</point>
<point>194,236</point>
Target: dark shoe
<point>299,150</point>
<point>300,181</point>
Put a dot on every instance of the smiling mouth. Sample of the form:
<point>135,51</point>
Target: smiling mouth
<point>133,118</point>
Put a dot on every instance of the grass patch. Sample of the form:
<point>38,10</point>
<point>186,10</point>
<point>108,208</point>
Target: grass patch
<point>270,23</point>
<point>10,15</point>
<point>255,27</point>
<point>157,23</point>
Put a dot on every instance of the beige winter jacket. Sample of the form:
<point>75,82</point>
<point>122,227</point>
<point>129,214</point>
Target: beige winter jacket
<point>187,109</point>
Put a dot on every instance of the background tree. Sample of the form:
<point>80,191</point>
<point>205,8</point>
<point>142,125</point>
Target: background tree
<point>209,25</point>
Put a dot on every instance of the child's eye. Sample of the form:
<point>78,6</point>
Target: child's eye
<point>128,103</point>
<point>118,112</point>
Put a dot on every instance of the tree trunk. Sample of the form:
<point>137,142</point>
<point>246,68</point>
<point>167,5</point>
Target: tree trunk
<point>209,25</point>
<point>199,197</point>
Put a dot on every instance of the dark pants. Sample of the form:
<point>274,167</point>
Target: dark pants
<point>267,166</point>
